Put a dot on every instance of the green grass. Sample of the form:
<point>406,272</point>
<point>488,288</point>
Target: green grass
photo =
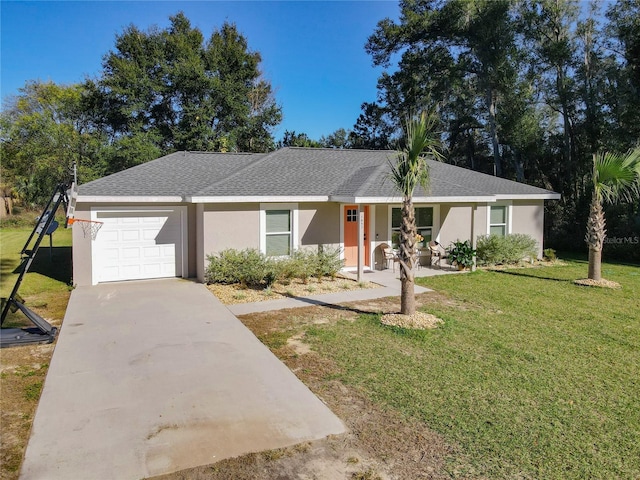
<point>46,286</point>
<point>533,376</point>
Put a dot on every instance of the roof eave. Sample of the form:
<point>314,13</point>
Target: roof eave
<point>529,196</point>
<point>444,199</point>
<point>258,199</point>
<point>129,199</point>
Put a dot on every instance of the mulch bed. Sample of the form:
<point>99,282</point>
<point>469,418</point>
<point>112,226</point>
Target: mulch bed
<point>234,294</point>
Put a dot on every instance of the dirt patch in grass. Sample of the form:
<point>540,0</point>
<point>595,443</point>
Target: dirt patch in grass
<point>234,294</point>
<point>379,444</point>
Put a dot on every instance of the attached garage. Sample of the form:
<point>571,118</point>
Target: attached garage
<point>139,243</point>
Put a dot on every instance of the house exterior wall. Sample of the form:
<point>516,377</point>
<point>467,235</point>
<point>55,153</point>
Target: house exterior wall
<point>227,226</point>
<point>237,226</point>
<point>216,227</point>
<point>82,247</point>
<point>528,218</point>
<point>456,224</point>
<point>318,224</point>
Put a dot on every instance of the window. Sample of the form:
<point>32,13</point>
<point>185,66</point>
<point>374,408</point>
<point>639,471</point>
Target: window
<point>424,223</point>
<point>352,214</point>
<point>498,220</point>
<point>278,233</point>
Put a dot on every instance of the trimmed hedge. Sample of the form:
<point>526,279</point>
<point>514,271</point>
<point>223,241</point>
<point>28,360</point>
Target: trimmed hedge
<point>498,249</point>
<point>254,269</point>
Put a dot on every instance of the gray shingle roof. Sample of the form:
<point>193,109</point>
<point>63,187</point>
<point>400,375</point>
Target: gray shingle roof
<point>178,174</point>
<point>291,172</point>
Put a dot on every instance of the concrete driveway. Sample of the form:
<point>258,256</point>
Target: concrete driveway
<point>156,376</point>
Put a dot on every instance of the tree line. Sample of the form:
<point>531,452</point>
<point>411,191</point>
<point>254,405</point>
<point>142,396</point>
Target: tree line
<point>159,91</point>
<point>526,90</point>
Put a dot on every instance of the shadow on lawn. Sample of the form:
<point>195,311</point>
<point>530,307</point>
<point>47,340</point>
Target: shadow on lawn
<point>55,264</point>
<point>320,303</point>
<point>530,275</point>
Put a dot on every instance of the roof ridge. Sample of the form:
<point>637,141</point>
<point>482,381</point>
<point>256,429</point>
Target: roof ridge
<point>238,172</point>
<point>331,149</point>
<point>202,152</point>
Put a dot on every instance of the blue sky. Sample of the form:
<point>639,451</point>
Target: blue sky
<point>312,52</point>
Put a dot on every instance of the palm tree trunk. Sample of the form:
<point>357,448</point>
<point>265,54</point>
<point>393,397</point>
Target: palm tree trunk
<point>406,257</point>
<point>595,236</point>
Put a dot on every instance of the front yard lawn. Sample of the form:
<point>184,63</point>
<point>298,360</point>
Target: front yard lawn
<point>532,375</point>
<point>46,290</point>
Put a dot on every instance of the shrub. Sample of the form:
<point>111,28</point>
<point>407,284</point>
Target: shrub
<point>498,250</point>
<point>252,268</point>
<point>549,254</point>
<point>248,267</point>
<point>303,264</point>
<point>328,262</point>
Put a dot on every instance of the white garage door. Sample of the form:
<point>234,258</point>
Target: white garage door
<point>139,244</point>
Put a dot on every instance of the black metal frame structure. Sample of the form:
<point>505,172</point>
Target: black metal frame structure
<point>43,331</point>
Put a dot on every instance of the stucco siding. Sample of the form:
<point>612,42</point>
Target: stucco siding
<point>81,250</point>
<point>528,218</point>
<point>319,224</point>
<point>227,226</point>
<point>455,223</point>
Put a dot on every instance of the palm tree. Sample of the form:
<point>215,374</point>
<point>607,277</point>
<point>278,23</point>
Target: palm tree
<point>615,177</point>
<point>409,171</point>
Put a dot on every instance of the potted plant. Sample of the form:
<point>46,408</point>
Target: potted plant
<point>461,254</point>
<point>419,240</point>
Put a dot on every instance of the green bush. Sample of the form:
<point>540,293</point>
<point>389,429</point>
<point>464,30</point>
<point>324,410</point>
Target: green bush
<point>328,262</point>
<point>549,254</point>
<point>498,250</point>
<point>302,264</point>
<point>252,268</point>
<point>248,267</point>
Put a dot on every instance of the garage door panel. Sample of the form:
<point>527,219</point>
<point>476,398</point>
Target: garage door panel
<point>130,235</point>
<point>136,245</point>
<point>154,252</point>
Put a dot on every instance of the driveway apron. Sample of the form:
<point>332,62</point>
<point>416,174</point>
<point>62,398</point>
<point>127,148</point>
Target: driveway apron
<point>157,376</point>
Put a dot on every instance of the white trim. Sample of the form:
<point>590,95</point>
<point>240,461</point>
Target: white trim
<point>428,200</point>
<point>293,208</point>
<point>258,199</point>
<point>509,218</point>
<point>314,198</point>
<point>115,199</point>
<point>371,235</point>
<point>342,257</point>
<point>528,196</point>
<point>435,228</point>
<point>184,234</point>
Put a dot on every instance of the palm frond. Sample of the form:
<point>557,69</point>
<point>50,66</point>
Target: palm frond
<point>410,168</point>
<point>617,177</point>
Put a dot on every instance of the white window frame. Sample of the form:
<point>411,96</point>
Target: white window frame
<point>293,212</point>
<point>435,228</point>
<point>509,215</point>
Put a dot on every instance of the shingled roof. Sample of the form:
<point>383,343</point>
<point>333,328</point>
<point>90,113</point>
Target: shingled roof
<point>315,174</point>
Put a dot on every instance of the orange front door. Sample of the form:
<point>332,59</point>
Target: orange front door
<point>351,235</point>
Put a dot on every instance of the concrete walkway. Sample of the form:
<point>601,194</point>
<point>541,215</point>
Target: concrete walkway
<point>388,280</point>
<point>153,377</point>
